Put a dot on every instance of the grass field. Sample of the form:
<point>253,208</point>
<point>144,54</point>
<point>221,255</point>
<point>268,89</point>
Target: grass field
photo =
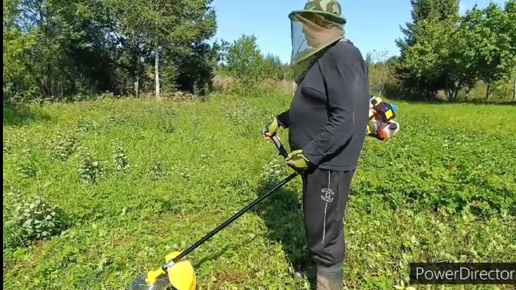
<point>134,179</point>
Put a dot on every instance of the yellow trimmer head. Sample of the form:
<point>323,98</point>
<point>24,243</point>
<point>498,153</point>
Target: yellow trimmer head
<point>179,273</point>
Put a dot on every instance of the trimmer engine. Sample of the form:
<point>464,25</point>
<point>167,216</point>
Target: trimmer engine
<point>381,124</point>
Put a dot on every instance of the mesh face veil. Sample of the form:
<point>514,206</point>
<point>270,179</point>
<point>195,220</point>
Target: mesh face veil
<point>313,29</point>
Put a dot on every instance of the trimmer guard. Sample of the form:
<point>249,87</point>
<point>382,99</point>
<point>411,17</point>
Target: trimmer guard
<point>182,274</point>
<point>179,276</point>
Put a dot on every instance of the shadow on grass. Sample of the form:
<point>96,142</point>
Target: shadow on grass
<point>394,95</point>
<point>489,103</point>
<point>222,251</point>
<point>20,115</point>
<point>459,102</point>
<point>283,215</point>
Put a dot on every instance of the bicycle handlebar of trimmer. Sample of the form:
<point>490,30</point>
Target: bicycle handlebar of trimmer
<point>279,146</point>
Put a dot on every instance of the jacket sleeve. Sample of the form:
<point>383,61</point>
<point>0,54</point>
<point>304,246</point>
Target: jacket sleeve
<point>283,119</point>
<point>343,79</point>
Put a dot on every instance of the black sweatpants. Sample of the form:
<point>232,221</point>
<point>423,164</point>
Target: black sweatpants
<point>325,195</point>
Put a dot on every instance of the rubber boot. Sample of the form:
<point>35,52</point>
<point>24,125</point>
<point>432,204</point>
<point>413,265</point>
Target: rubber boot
<point>309,273</point>
<point>307,269</point>
<point>329,278</point>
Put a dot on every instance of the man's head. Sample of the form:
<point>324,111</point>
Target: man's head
<point>316,29</point>
<point>318,25</point>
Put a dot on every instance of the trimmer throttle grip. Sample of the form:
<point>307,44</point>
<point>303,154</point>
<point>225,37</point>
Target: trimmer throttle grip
<point>277,142</point>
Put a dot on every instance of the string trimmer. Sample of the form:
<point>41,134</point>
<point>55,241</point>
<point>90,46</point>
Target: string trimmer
<point>179,272</point>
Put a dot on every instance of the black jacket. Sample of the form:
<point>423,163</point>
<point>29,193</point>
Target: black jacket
<point>328,115</point>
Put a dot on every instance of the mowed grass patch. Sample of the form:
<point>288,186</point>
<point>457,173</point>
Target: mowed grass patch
<point>139,178</point>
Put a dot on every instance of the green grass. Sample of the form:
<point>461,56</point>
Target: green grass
<point>443,189</point>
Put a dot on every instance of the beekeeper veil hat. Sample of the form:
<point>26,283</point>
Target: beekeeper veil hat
<point>313,29</point>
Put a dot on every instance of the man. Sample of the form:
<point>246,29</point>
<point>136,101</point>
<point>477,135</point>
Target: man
<point>327,124</point>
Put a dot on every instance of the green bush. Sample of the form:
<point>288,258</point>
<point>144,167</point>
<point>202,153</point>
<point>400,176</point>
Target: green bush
<point>244,62</point>
<point>33,220</point>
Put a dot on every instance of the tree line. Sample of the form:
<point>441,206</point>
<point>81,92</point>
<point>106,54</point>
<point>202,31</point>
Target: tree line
<point>445,52</point>
<point>59,48</point>
<point>64,50</point>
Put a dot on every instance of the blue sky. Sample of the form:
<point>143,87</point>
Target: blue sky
<point>371,25</point>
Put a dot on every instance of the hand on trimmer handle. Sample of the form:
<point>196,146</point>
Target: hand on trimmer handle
<point>277,142</point>
<point>283,152</point>
<point>293,163</point>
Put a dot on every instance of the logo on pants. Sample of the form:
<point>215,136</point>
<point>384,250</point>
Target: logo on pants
<point>327,194</point>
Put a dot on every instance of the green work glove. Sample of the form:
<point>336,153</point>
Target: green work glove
<point>297,160</point>
<point>271,128</point>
